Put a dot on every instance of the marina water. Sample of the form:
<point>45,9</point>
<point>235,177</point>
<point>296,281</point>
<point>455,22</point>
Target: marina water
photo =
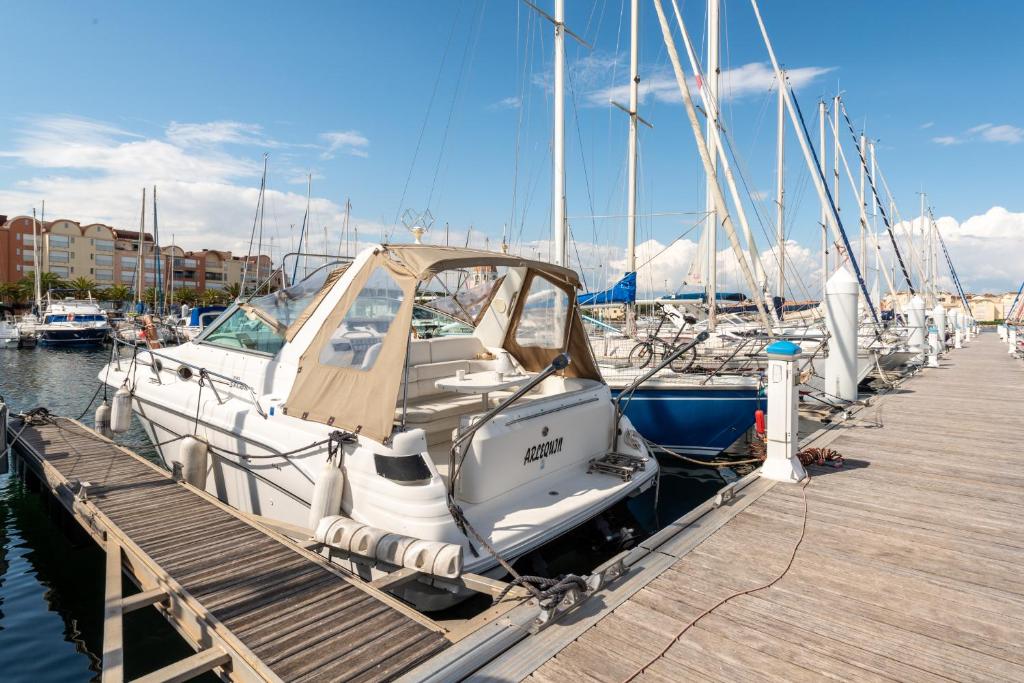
<point>52,574</point>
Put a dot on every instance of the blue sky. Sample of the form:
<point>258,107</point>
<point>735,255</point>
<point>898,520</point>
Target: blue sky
<point>104,98</point>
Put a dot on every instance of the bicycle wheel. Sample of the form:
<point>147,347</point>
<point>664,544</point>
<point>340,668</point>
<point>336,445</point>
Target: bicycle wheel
<point>641,354</point>
<point>685,361</point>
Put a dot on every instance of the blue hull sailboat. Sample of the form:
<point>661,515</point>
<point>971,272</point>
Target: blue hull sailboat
<point>697,420</point>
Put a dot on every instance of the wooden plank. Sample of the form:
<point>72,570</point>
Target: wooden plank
<point>113,623</point>
<point>188,668</point>
<point>143,599</point>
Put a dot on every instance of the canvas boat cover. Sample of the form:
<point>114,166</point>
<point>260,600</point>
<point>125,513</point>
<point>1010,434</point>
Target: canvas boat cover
<point>358,389</point>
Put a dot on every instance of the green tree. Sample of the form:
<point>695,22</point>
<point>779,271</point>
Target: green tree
<point>233,290</point>
<point>186,295</point>
<point>118,294</point>
<point>82,286</point>
<point>11,292</point>
<point>211,297</point>
<point>47,281</point>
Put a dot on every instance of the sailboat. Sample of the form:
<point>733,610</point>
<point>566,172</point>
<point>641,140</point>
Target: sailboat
<point>698,415</point>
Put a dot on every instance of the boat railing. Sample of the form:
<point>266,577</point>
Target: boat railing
<point>665,361</point>
<point>204,373</point>
<point>759,342</point>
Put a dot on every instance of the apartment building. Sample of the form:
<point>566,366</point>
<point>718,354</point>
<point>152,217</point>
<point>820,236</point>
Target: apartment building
<point>111,256</point>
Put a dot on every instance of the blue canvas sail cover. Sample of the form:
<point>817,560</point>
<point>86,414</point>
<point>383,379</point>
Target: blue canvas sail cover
<point>622,292</point>
<point>701,296</point>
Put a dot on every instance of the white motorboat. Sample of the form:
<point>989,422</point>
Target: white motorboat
<point>10,335</point>
<point>73,322</point>
<point>434,442</point>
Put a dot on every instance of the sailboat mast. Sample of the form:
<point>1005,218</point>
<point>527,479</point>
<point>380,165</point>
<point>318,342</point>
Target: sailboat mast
<point>170,275</point>
<point>780,191</point>
<point>863,201</point>
<point>702,149</point>
<point>634,98</point>
<point>140,262</point>
<point>822,113</point>
<point>820,186</point>
<point>157,258</point>
<point>713,73</point>
<point>558,229</point>
<point>344,241</point>
<point>835,161</point>
<point>929,265</point>
<point>37,258</point>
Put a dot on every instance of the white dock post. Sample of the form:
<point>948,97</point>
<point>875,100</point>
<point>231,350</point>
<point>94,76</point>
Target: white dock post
<point>916,328</point>
<point>781,463</point>
<point>841,292</point>
<point>1001,331</point>
<point>958,341</point>
<point>1011,338</point>
<point>939,315</point>
<point>933,347</point>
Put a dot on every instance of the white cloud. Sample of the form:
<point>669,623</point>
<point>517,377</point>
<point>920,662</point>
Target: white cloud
<point>927,124</point>
<point>985,132</point>
<point>985,249</point>
<point>217,133</point>
<point>513,102</point>
<point>660,85</point>
<point>93,172</point>
<point>1001,133</point>
<point>350,142</point>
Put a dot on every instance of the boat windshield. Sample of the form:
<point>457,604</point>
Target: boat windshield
<point>75,318</point>
<point>285,305</point>
<point>259,325</point>
<point>244,329</point>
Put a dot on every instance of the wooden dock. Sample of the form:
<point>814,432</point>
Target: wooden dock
<point>909,567</point>
<point>255,606</point>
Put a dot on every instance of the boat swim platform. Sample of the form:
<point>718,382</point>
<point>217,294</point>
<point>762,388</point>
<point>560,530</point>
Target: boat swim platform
<point>255,605</point>
<point>909,567</point>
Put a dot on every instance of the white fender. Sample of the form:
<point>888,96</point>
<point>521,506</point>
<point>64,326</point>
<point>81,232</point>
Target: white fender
<point>121,411</point>
<point>326,494</point>
<point>102,420</point>
<point>194,456</point>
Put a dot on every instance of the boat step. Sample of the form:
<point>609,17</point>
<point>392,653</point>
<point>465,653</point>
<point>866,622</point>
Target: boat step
<point>618,465</point>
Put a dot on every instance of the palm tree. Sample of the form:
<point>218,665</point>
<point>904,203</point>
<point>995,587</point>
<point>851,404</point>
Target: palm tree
<point>118,294</point>
<point>12,292</point>
<point>187,296</point>
<point>82,286</point>
<point>47,281</point>
<point>233,290</point>
<point>211,297</point>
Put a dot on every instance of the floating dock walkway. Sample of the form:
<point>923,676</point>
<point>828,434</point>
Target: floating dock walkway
<point>909,565</point>
<point>904,564</point>
<point>256,606</point>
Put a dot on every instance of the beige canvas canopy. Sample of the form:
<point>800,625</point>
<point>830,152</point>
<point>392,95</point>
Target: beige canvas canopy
<point>426,260</point>
<point>364,400</point>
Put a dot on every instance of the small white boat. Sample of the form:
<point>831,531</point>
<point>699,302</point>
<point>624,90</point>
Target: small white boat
<point>10,335</point>
<point>438,442</point>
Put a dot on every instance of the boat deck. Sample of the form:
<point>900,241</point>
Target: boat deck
<point>906,562</point>
<point>255,605</point>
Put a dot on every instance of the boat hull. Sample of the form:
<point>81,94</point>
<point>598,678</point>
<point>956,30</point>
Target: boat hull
<point>694,421</point>
<point>74,337</point>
